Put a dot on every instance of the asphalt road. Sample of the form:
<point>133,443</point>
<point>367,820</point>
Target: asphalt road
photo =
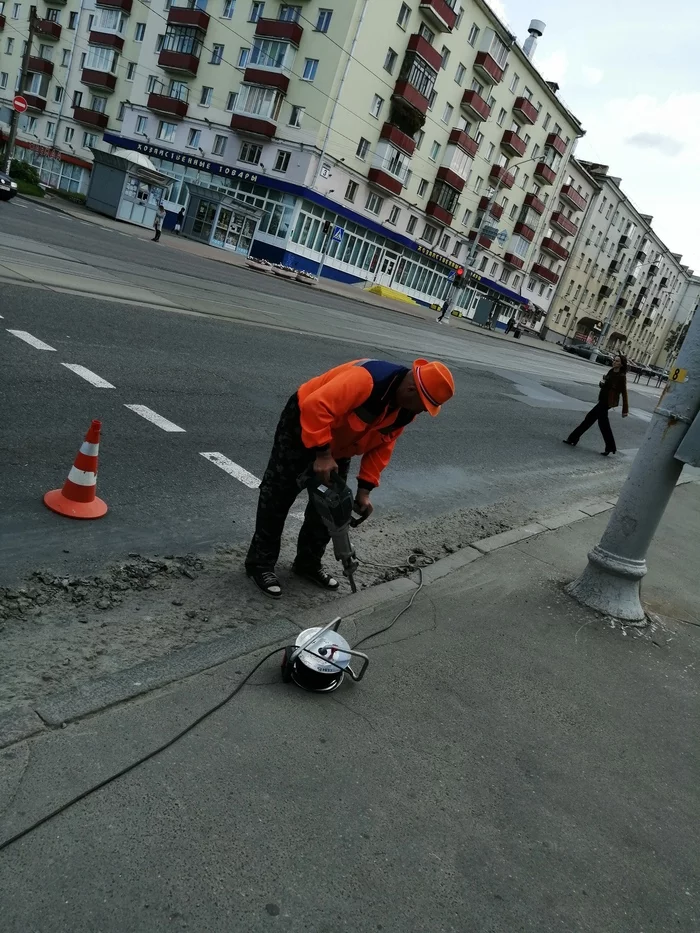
<point>221,371</point>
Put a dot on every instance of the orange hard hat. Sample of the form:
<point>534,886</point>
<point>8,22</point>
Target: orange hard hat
<point>434,383</point>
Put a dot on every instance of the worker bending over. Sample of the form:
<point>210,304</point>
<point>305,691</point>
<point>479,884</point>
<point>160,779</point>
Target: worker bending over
<point>357,408</point>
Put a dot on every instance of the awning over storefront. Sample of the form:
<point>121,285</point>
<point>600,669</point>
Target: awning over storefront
<point>477,279</point>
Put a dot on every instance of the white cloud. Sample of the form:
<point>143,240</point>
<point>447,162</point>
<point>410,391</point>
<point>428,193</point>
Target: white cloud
<point>552,67</point>
<point>500,10</point>
<point>592,75</point>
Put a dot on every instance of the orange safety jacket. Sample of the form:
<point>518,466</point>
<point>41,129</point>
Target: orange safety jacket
<point>352,409</point>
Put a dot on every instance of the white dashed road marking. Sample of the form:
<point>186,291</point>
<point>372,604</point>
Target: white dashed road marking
<point>32,341</point>
<point>233,469</point>
<point>41,210</point>
<point>155,418</point>
<point>88,374</point>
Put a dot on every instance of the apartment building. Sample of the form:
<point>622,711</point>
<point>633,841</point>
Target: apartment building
<point>620,278</point>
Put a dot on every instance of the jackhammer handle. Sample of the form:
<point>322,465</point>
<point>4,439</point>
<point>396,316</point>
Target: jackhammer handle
<point>354,522</point>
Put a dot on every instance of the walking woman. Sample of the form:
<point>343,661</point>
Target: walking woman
<point>612,387</point>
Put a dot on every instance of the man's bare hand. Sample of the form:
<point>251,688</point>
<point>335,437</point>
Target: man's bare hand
<point>324,465</point>
<point>362,505</point>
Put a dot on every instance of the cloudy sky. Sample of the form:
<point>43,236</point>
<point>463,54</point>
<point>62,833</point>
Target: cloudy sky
<point>630,71</point>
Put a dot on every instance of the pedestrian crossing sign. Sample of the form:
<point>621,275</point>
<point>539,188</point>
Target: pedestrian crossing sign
<point>338,234</point>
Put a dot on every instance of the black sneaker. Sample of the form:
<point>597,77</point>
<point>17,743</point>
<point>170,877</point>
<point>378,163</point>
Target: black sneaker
<point>267,581</point>
<point>318,576</point>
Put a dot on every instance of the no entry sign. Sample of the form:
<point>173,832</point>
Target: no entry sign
<point>19,103</point>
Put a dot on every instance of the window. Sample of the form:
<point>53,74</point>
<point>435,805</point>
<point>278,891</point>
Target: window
<point>140,32</point>
<point>473,34</point>
<point>513,212</point>
<point>460,73</point>
<point>433,98</point>
<point>282,160</point>
<point>57,94</point>
<point>130,71</point>
<point>447,115</point>
<point>152,84</point>
<point>377,103</point>
<point>422,187</point>
<point>31,125</point>
<point>351,191</point>
<point>426,33</point>
<point>404,14</point>
<point>206,96</point>
<point>494,269</point>
<point>547,121</point>
<point>9,46</point>
<point>445,56</point>
<point>501,116</point>
<point>477,184</point>
<point>290,14</point>
<point>141,124</point>
<point>456,249</point>
<point>101,59</point>
<point>91,20</point>
<point>166,131</point>
<point>515,283</point>
<point>229,7</point>
<point>99,104</point>
<point>219,146</point>
<point>430,233</point>
<point>256,12</point>
<point>476,86</point>
<point>515,81</point>
<point>243,56</point>
<point>50,130</point>
<point>490,151</point>
<point>362,148</point>
<point>193,138</point>
<point>217,53</point>
<point>394,214</point>
<point>390,61</point>
<point>310,69</point>
<point>373,203</point>
<point>505,275</point>
<point>231,101</point>
<point>68,134</point>
<point>467,217</point>
<point>434,151</point>
<point>78,99</point>
<point>297,115</point>
<point>121,111</point>
<point>411,225</point>
<point>419,137</point>
<point>16,7</point>
<point>251,153</point>
<point>324,20</point>
<point>444,242</point>
<point>482,264</point>
<point>89,140</point>
<point>72,20</point>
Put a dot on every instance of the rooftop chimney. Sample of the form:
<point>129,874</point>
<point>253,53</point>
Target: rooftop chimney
<point>535,30</point>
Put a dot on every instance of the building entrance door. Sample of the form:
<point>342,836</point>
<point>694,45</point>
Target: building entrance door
<point>386,268</point>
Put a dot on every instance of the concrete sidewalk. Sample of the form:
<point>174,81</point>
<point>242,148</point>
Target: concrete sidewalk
<point>510,762</point>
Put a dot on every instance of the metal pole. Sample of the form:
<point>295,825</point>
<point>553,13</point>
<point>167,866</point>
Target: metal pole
<point>14,121</point>
<point>611,581</point>
<point>324,253</point>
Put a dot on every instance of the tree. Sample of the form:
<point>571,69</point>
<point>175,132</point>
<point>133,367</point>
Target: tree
<point>675,338</point>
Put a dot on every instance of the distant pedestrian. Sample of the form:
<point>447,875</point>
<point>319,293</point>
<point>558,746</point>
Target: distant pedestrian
<point>158,222</point>
<point>612,388</point>
<point>510,324</point>
<point>445,311</point>
<point>180,221</point>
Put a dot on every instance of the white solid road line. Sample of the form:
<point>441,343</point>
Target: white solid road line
<point>155,418</point>
<point>88,374</point>
<point>32,341</point>
<point>233,469</point>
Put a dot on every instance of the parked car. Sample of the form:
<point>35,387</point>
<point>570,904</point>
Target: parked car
<point>8,187</point>
<point>585,350</point>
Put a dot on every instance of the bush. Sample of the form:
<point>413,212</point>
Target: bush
<point>23,171</point>
<point>27,187</point>
<point>73,196</point>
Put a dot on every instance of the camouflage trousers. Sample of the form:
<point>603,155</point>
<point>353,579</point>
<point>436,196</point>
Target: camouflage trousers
<point>278,490</point>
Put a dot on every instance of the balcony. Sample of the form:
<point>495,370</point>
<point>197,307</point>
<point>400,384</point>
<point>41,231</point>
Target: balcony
<point>655,302</point>
<point>439,14</point>
<point>484,241</point>
<point>544,174</point>
<point>525,231</point>
<point>652,270</point>
<point>524,111</point>
<point>512,144</point>
<point>433,209</point>
<point>554,141</point>
<point>412,96</point>
<point>167,105</point>
<point>533,202</point>
<point>427,52</point>
<point>2,22</point>
<point>641,256</point>
<point>99,79</point>
<point>605,291</point>
<point>89,117</point>
<point>40,66</point>
<point>179,62</point>
<point>563,223</point>
<point>47,29</point>
<point>510,259</point>
<point>573,198</point>
<point>621,303</point>
<point>623,242</point>
<point>630,280</point>
<point>502,176</point>
<point>265,78</point>
<point>485,66</point>
<point>542,272</point>
<point>35,102</point>
<point>464,142</point>
<point>450,178</point>
<point>381,179</point>
<point>108,40</point>
<point>496,210</point>
<point>398,138</point>
<point>253,126</point>
<point>475,107</point>
<point>196,19</point>
<point>646,322</point>
<point>664,282</point>
<point>552,248</point>
<point>123,5</point>
<point>614,267</point>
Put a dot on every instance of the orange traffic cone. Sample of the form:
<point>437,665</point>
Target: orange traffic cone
<point>78,497</point>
